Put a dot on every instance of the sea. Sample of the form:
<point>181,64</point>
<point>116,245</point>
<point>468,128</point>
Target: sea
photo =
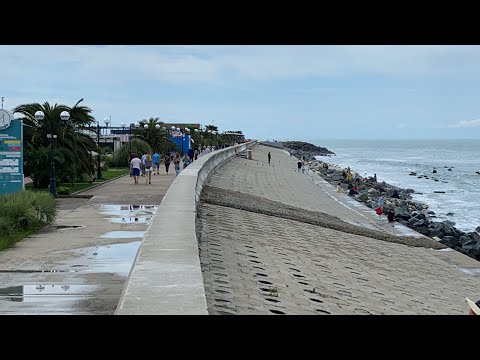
<point>394,160</point>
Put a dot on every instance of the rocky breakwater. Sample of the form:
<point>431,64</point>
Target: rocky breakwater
<point>305,150</point>
<point>413,214</point>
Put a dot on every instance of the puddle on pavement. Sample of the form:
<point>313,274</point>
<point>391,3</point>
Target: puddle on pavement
<point>113,258</point>
<point>470,271</point>
<point>45,292</point>
<point>68,227</point>
<point>123,234</point>
<point>130,220</point>
<point>128,211</point>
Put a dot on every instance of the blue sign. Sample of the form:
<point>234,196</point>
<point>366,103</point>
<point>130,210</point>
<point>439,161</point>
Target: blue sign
<point>182,142</point>
<point>11,157</point>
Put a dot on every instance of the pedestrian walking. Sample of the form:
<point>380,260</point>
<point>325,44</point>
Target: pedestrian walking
<point>177,166</point>
<point>148,169</point>
<point>156,163</point>
<point>135,166</point>
<point>166,161</point>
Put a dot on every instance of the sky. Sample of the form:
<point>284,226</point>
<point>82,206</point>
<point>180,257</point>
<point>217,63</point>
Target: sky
<point>288,92</point>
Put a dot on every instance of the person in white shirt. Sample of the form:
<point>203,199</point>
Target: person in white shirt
<point>144,156</point>
<point>135,165</point>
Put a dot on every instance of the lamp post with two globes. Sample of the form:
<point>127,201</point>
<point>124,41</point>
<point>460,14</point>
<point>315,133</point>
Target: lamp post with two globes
<point>39,116</point>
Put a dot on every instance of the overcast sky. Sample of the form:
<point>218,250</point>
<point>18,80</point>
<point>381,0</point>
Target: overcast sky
<point>268,92</point>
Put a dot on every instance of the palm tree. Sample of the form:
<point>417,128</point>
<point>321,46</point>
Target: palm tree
<point>155,135</point>
<point>73,158</point>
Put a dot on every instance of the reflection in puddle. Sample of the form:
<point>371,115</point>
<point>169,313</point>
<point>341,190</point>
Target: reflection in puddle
<point>470,271</point>
<point>44,292</point>
<point>130,220</point>
<point>128,210</point>
<point>114,258</point>
<point>123,234</point>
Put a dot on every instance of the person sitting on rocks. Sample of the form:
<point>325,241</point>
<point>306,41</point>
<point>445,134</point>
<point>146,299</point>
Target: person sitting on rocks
<point>391,216</point>
<point>353,191</point>
<point>339,187</point>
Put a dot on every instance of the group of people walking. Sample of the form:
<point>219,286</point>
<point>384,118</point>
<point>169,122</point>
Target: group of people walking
<point>147,164</point>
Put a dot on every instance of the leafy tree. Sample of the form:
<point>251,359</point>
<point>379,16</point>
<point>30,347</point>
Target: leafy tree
<point>158,139</point>
<point>73,156</point>
<point>122,156</point>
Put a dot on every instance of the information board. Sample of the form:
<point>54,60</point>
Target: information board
<point>11,158</point>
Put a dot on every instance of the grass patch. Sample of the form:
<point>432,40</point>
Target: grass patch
<point>10,239</point>
<point>23,213</point>
<point>110,174</point>
<point>113,173</point>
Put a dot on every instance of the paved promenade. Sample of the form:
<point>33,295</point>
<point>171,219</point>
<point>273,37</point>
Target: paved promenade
<point>259,264</point>
<point>80,264</point>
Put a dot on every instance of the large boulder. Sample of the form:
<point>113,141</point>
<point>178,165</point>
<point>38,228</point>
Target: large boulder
<point>476,236</point>
<point>449,223</point>
<point>363,196</point>
<point>422,230</point>
<point>464,239</point>
<point>469,243</point>
<point>417,223</point>
<point>450,241</point>
<point>420,216</point>
<point>458,233</point>
<point>475,250</point>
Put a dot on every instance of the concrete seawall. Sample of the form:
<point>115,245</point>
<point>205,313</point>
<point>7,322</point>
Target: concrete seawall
<point>266,256</point>
<point>166,276</point>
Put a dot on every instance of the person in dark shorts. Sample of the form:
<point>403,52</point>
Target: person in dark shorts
<point>166,161</point>
<point>135,166</point>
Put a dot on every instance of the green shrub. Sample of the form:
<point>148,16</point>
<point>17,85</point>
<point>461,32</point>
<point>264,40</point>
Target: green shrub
<point>64,190</point>
<point>5,226</point>
<point>121,157</point>
<point>27,209</point>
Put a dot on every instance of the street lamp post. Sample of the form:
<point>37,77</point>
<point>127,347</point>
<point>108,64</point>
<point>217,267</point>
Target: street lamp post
<point>130,139</point>
<point>187,130</point>
<point>99,167</point>
<point>39,116</point>
<point>137,125</point>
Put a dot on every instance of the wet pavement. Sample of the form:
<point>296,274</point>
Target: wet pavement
<point>79,265</point>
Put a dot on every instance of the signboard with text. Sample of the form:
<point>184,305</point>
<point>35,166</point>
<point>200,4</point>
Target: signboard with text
<point>11,157</point>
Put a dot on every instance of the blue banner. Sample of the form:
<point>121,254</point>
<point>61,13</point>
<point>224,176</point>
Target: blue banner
<point>181,142</point>
<point>11,158</point>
